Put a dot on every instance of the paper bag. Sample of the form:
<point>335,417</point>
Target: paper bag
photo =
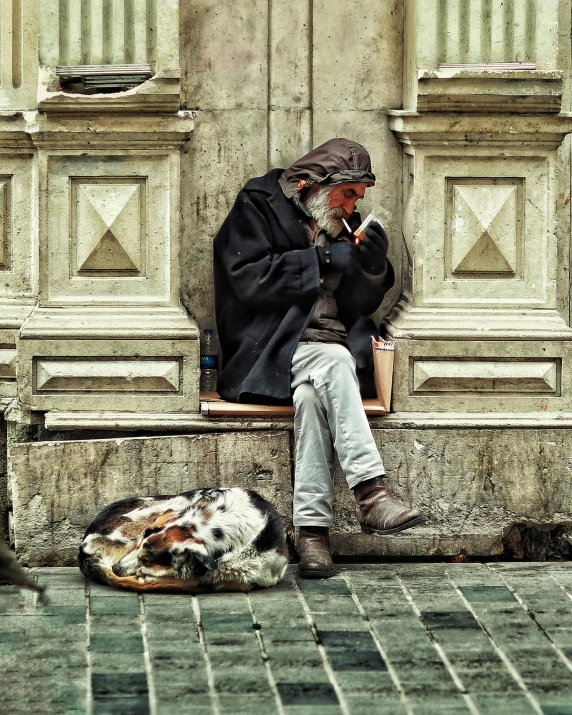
<point>383,355</point>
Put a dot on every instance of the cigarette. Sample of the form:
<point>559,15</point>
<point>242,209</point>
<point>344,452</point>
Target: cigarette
<point>357,235</point>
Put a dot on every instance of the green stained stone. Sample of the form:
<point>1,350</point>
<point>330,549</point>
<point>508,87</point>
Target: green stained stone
<point>486,594</point>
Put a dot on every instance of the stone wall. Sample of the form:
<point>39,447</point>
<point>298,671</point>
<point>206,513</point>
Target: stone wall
<point>478,486</point>
<point>59,487</point>
<point>268,85</point>
<point>4,504</point>
<point>110,201</point>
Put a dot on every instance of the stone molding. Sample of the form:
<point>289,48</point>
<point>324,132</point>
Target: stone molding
<point>490,91</point>
<point>139,359</point>
<point>70,421</point>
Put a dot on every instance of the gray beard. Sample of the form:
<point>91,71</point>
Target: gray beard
<point>326,218</point>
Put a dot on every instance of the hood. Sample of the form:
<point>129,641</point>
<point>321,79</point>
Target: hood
<point>336,161</point>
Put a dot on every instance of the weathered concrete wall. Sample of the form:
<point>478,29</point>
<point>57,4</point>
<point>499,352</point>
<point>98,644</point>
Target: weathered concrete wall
<point>474,485</point>
<point>3,479</point>
<point>98,246</point>
<point>270,80</point>
<point>59,487</point>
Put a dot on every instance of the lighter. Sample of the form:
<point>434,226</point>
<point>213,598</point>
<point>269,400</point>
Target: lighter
<point>359,233</point>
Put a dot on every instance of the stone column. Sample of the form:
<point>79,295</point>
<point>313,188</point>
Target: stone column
<point>90,317</point>
<point>482,325</point>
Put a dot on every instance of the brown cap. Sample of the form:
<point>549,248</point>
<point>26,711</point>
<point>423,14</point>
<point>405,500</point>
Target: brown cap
<point>336,161</point>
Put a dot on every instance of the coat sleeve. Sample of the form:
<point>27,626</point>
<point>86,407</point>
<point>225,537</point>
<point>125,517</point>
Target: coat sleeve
<point>258,272</point>
<point>362,293</point>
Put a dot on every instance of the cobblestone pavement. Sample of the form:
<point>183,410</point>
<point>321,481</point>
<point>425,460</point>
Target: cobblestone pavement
<point>385,638</point>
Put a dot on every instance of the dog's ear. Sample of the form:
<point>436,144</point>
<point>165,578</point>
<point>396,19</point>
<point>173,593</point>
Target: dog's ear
<point>160,521</point>
<point>207,561</point>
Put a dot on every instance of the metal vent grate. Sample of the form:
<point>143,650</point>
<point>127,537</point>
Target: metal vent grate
<point>104,77</point>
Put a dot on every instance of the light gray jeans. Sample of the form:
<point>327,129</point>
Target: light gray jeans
<point>328,415</point>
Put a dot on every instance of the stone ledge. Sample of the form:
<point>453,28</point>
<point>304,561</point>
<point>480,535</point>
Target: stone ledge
<point>56,420</point>
<point>155,96</point>
<point>67,420</point>
<point>105,322</point>
<point>474,323</point>
<point>415,542</point>
<point>511,131</point>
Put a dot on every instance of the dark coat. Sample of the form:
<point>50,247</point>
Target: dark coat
<point>267,280</point>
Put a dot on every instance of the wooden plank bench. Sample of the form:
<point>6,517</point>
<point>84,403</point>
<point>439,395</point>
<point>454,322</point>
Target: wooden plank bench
<point>212,405</point>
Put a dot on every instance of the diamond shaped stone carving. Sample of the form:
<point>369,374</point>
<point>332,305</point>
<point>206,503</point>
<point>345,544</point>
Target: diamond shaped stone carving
<point>484,235</point>
<point>484,256</point>
<point>109,226</point>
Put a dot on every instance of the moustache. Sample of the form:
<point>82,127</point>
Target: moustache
<point>339,212</point>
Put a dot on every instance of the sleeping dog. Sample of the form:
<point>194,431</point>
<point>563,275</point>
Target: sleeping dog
<point>198,541</point>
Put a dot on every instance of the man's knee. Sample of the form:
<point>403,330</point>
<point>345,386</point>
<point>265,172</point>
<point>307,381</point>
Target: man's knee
<point>339,366</point>
<point>306,397</point>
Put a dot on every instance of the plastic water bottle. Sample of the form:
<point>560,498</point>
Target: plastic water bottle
<point>209,350</point>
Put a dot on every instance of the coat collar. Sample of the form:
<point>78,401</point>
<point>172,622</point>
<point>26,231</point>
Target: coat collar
<point>289,217</point>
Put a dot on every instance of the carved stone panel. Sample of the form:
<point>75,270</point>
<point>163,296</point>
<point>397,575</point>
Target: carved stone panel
<point>17,215</point>
<point>485,236</point>
<point>430,377</point>
<point>157,375</point>
<point>7,371</point>
<point>105,375</point>
<point>110,229</point>
<point>475,376</point>
<point>484,231</point>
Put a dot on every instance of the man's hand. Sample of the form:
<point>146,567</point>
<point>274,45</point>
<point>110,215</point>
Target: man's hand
<point>373,249</point>
<point>341,257</point>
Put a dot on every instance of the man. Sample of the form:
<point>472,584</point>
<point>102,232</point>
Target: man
<point>292,293</point>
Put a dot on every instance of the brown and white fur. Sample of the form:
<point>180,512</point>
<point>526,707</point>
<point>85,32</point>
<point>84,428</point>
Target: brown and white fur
<point>198,541</point>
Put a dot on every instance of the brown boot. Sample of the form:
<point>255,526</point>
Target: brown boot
<point>314,550</point>
<point>382,513</point>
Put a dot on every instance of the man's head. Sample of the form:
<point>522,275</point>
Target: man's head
<point>329,204</point>
<point>329,180</point>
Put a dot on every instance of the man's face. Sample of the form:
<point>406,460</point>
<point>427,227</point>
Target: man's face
<point>330,204</point>
<point>345,196</point>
